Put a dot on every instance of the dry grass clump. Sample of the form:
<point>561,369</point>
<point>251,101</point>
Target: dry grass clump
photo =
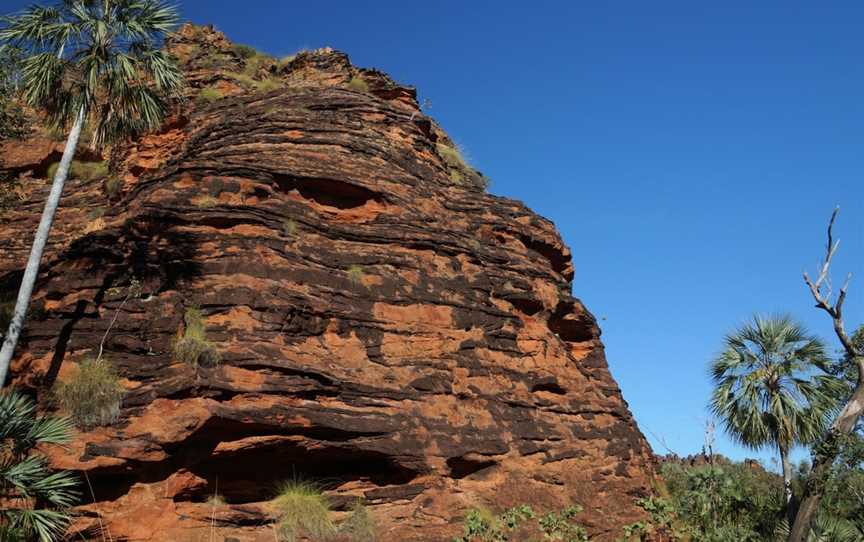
<point>452,156</point>
<point>359,526</point>
<point>206,202</point>
<point>209,95</point>
<point>92,397</point>
<point>303,512</point>
<point>85,171</point>
<point>193,347</point>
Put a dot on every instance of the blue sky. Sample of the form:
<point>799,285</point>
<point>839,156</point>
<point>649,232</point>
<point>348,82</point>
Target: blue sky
<point>689,152</point>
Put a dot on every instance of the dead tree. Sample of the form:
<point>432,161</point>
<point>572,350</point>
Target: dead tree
<point>826,451</point>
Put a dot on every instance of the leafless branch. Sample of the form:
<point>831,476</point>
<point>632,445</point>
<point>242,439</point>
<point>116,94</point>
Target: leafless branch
<point>823,298</point>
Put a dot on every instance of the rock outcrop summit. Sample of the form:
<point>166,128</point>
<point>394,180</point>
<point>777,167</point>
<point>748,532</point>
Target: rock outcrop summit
<point>386,328</point>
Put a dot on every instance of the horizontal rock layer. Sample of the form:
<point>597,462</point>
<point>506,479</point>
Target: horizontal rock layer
<point>384,332</point>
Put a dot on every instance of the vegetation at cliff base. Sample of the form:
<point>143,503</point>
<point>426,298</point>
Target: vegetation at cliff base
<point>36,499</point>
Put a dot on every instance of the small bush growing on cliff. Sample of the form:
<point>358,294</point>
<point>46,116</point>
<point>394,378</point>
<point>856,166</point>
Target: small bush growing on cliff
<point>358,84</point>
<point>245,51</point>
<point>355,274</point>
<point>93,395</point>
<point>209,95</point>
<point>37,499</point>
<point>303,511</point>
<point>289,227</point>
<point>85,171</point>
<point>193,347</point>
<point>452,156</point>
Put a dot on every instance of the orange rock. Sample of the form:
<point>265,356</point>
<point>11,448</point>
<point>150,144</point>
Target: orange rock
<point>391,334</point>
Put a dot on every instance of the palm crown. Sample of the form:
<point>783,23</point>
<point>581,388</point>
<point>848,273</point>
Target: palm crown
<point>772,385</point>
<point>101,57</point>
<point>35,498</point>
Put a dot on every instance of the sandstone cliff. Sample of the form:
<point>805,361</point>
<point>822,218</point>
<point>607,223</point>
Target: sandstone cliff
<point>385,326</point>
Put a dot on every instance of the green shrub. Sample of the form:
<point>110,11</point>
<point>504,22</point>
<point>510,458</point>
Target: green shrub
<point>92,397</point>
<point>359,526</point>
<point>358,84</point>
<point>481,525</point>
<point>245,51</point>
<point>561,526</point>
<point>209,95</point>
<point>112,186</point>
<point>85,171</point>
<point>193,347</point>
<point>289,227</point>
<point>303,511</point>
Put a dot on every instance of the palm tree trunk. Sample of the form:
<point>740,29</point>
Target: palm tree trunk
<point>822,462</point>
<point>32,270</point>
<point>787,482</point>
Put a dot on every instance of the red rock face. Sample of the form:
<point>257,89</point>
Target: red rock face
<point>396,337</point>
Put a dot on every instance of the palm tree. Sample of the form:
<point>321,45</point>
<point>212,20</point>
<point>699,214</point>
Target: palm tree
<point>95,61</point>
<point>773,389</point>
<point>36,499</point>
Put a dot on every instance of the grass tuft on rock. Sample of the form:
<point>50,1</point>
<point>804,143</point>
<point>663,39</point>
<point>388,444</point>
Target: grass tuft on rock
<point>85,171</point>
<point>193,347</point>
<point>209,95</point>
<point>355,274</point>
<point>303,512</point>
<point>358,84</point>
<point>92,397</point>
<point>359,526</point>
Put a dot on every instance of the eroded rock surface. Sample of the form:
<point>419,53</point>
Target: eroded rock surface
<point>400,339</point>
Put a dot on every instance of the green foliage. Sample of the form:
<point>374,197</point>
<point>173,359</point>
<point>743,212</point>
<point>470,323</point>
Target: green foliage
<point>358,84</point>
<point>85,171</point>
<point>245,51</point>
<point>734,501</point>
<point>14,123</point>
<point>37,499</point>
<point>483,526</point>
<point>209,95</point>
<point>93,395</point>
<point>193,347</point>
<point>717,501</point>
<point>359,526</point>
<point>303,512</point>
<point>114,69</point>
<point>561,527</point>
<point>289,227</point>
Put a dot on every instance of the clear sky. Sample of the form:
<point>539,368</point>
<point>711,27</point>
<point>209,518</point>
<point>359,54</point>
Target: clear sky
<point>689,152</point>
